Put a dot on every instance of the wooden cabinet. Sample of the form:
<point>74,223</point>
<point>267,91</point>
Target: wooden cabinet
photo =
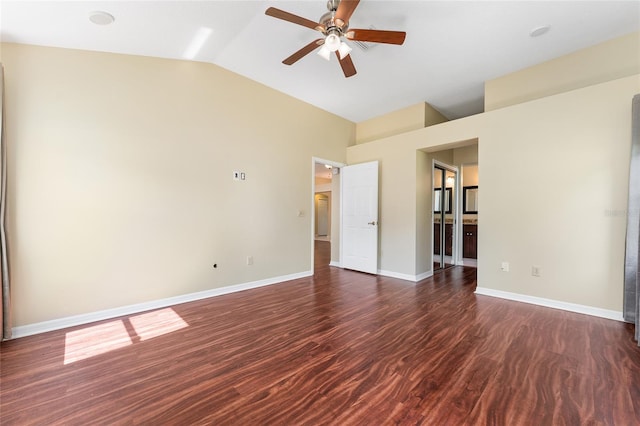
<point>470,241</point>
<point>448,239</point>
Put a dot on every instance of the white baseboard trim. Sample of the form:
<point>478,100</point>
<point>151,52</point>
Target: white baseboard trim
<point>550,303</point>
<point>424,275</point>
<point>397,275</point>
<point>75,320</point>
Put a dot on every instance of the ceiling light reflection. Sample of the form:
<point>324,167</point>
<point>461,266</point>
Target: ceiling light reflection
<point>197,42</point>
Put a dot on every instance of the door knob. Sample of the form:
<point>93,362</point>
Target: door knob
<point>372,223</point>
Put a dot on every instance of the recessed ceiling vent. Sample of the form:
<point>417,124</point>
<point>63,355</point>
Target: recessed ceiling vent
<point>363,45</point>
<point>101,18</point>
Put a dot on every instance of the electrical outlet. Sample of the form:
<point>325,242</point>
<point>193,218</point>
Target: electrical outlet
<point>505,267</point>
<point>236,175</point>
<point>249,260</point>
<point>535,271</point>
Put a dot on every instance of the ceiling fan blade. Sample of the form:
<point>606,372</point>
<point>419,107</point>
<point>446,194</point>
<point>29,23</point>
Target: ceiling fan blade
<point>303,52</point>
<point>347,65</point>
<point>345,10</point>
<point>377,36</point>
<point>290,17</point>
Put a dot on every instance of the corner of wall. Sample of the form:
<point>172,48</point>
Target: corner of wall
<point>432,116</point>
<point>404,120</point>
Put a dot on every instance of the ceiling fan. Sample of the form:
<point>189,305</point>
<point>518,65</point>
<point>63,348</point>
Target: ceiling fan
<point>334,25</point>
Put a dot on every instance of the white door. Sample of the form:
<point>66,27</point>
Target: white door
<point>360,217</point>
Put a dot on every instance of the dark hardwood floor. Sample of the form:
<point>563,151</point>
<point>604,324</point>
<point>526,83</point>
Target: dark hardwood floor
<point>340,348</point>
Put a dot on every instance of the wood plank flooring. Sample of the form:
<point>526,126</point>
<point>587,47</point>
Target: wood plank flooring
<point>341,348</point>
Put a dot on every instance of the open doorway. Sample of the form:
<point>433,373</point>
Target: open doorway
<point>461,158</point>
<point>325,212</point>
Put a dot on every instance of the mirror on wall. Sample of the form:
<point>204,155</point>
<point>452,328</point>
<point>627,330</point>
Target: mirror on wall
<point>470,200</point>
<point>437,202</point>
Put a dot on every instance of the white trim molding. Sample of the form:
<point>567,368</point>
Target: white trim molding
<point>336,264</point>
<point>397,275</point>
<point>550,303</point>
<point>82,319</point>
<point>424,275</point>
<point>406,277</point>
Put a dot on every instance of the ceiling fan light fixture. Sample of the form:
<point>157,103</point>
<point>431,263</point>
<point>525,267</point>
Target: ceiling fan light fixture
<point>332,42</point>
<point>324,52</point>
<point>344,50</point>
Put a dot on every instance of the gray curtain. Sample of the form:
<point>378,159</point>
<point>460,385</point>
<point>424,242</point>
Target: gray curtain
<point>4,259</point>
<point>632,253</point>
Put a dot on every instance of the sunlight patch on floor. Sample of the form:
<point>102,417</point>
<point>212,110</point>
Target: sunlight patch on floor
<point>95,340</point>
<point>157,323</point>
<point>102,338</point>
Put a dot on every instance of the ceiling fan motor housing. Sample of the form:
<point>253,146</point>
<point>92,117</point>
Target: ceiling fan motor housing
<point>332,5</point>
<point>328,25</point>
<point>328,22</point>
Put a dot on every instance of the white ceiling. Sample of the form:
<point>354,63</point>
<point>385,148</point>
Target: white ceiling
<point>322,172</point>
<point>451,49</point>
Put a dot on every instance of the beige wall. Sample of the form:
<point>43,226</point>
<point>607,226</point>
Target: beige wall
<point>322,182</point>
<point>466,155</point>
<point>559,220</point>
<point>120,179</point>
<point>613,59</point>
<point>424,213</point>
<point>469,175</point>
<point>404,120</point>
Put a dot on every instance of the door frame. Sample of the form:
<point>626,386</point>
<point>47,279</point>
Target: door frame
<point>336,165</point>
